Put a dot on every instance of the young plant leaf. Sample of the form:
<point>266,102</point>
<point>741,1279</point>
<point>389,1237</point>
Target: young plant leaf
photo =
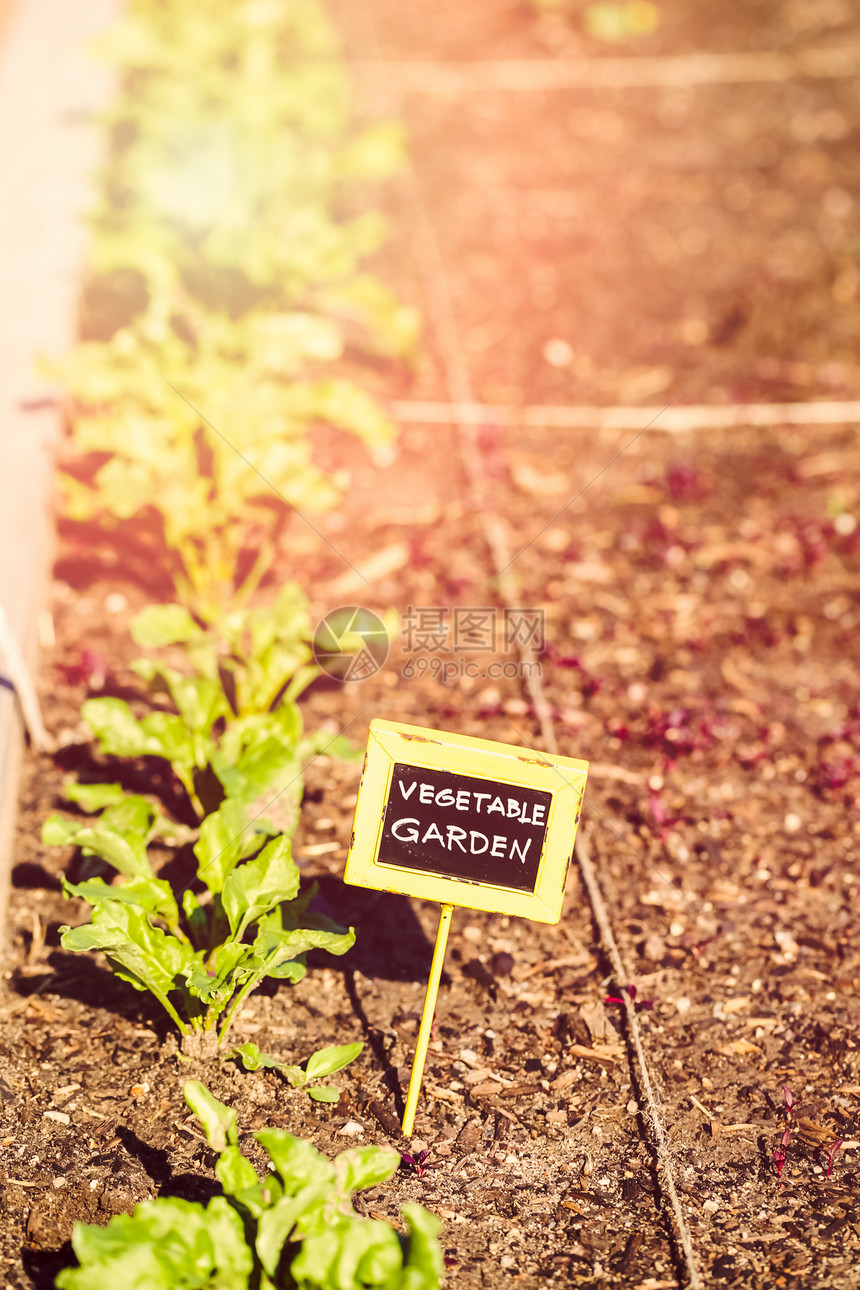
<point>328,1060</point>
<point>150,894</point>
<point>218,1121</point>
<point>324,1093</point>
<point>425,1263</point>
<point>362,1167</point>
<point>116,729</point>
<point>235,1174</point>
<point>165,1244</point>
<point>225,839</point>
<point>255,887</point>
<point>297,1162</point>
<point>94,797</point>
<point>126,856</point>
<point>159,625</point>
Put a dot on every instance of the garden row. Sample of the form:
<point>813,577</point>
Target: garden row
<point>207,357</point>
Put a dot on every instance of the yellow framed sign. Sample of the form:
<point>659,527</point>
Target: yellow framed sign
<point>465,821</point>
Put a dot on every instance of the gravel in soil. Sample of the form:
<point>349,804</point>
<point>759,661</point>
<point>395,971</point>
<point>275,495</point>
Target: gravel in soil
<point>701,604</point>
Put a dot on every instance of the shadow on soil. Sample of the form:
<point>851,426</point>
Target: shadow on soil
<point>42,1266</point>
<point>390,943</point>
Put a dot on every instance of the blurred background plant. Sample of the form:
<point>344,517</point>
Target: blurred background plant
<point>228,280</point>
<point>606,20</point>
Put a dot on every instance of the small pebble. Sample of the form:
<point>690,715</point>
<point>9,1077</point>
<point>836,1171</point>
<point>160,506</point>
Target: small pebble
<point>711,1206</point>
<point>116,602</point>
<point>558,353</point>
<point>632,1106</point>
<point>59,1116</point>
<point>472,934</point>
<point>351,1129</point>
<point>468,1055</point>
<point>792,822</point>
<point>59,1182</point>
<point>683,1005</point>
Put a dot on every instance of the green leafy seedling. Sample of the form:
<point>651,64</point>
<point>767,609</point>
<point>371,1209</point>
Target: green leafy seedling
<point>201,958</point>
<point>295,1230</point>
<point>212,361</point>
<point>234,728</point>
<point>324,1062</point>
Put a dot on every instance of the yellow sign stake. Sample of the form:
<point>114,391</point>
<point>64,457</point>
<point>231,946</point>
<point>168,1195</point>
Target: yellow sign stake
<point>462,821</point>
<point>427,1019</point>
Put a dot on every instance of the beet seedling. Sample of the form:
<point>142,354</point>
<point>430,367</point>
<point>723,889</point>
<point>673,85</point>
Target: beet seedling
<point>197,412</point>
<point>420,1163</point>
<point>297,1227</point>
<point>235,729</point>
<point>812,1134</point>
<point>203,954</point>
<point>631,992</point>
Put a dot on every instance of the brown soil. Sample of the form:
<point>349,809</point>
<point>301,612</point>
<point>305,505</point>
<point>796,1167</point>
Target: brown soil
<point>701,607</point>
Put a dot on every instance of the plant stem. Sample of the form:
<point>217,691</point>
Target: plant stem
<point>250,984</point>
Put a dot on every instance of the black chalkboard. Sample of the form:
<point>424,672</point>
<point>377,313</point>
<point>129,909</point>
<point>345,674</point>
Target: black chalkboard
<point>464,827</point>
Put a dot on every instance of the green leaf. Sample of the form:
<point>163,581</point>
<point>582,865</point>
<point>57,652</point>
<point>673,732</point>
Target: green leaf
<point>200,700</point>
<point>345,1252</point>
<point>168,736</point>
<point>276,1225</point>
<point>363,1167</point>
<point>165,1244</point>
<point>160,625</point>
<point>117,730</point>
<point>226,970</point>
<point>143,955</point>
<point>250,1057</point>
<point>294,970</point>
<point>196,916</point>
<point>255,887</point>
<point>60,831</point>
<point>218,1121</point>
<point>425,1263</point>
<point>225,839</point>
<point>94,797</point>
<point>127,854</point>
<point>328,1060</point>
<point>150,894</point>
<point>143,1266</point>
<point>324,1093</point>
<point>234,1172</point>
<point>277,945</point>
<point>297,1162</point>
<point>252,1060</point>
